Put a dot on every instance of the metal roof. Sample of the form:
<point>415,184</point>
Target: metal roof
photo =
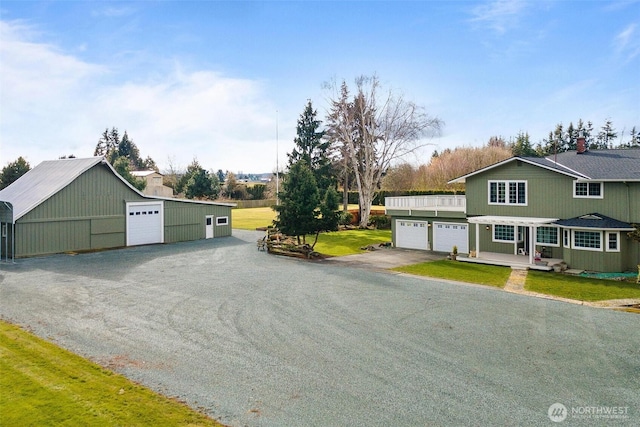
<point>45,180</point>
<point>51,176</point>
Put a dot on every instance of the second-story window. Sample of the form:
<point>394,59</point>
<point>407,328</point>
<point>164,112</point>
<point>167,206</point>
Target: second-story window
<point>587,189</point>
<point>508,193</point>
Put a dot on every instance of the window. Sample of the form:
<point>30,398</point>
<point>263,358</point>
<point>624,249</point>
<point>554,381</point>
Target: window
<point>547,235</point>
<point>508,193</point>
<point>612,241</point>
<point>587,240</point>
<point>222,220</point>
<point>587,190</point>
<point>503,233</point>
<point>566,238</point>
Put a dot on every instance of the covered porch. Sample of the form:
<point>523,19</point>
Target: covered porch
<point>522,236</point>
<point>513,261</point>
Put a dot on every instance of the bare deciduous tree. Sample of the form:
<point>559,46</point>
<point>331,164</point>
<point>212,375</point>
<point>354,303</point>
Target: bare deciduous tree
<point>375,128</point>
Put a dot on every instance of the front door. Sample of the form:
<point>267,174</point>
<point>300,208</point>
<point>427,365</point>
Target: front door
<point>209,226</point>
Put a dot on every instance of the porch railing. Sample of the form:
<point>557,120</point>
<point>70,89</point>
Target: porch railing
<point>444,203</point>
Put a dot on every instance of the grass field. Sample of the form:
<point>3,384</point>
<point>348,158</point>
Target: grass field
<point>580,288</point>
<point>250,219</point>
<point>44,385</point>
<point>491,275</point>
<point>333,244</point>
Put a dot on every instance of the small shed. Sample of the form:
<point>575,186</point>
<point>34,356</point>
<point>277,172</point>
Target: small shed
<point>72,205</point>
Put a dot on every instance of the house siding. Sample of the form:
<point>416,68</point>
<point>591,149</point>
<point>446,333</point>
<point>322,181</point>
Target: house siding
<point>550,195</point>
<point>86,214</point>
<point>89,214</point>
<point>186,221</point>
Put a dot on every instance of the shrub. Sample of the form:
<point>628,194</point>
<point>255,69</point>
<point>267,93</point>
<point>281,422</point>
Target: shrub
<point>346,218</point>
<point>381,222</point>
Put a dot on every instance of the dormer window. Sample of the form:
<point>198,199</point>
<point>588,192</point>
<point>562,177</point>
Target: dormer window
<point>592,190</point>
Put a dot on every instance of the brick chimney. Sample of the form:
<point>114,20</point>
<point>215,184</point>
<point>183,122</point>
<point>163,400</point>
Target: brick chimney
<point>581,143</point>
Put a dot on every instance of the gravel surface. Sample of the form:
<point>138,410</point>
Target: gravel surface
<point>258,340</point>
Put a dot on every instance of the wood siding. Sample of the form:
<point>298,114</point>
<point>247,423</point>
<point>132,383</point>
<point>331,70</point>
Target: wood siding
<point>89,214</point>
<point>86,214</point>
<point>186,221</point>
<point>550,195</point>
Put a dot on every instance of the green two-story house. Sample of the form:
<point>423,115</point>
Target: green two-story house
<point>575,207</point>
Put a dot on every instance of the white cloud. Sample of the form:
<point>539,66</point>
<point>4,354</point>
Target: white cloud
<point>627,43</point>
<point>113,12</point>
<point>55,104</point>
<point>499,15</point>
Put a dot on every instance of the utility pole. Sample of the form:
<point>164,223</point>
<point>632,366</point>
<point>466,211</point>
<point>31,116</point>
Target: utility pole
<point>277,164</point>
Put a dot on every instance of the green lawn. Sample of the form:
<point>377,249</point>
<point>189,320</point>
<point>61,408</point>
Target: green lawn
<point>349,242</point>
<point>44,385</point>
<point>580,288</point>
<point>461,271</point>
<point>333,244</point>
<point>252,218</point>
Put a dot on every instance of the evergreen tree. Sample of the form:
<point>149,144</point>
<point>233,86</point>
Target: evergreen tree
<point>12,171</point>
<point>588,136</point>
<point>202,185</point>
<point>522,146</point>
<point>606,136</point>
<point>571,138</point>
<point>128,149</point>
<point>121,165</point>
<point>312,147</point>
<point>106,143</point>
<point>634,140</point>
<point>299,201</point>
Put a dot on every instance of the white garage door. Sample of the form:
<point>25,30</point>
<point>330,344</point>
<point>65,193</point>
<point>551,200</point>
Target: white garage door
<point>411,234</point>
<point>446,235</point>
<point>145,223</point>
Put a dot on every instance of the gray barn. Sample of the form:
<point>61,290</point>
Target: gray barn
<point>74,205</point>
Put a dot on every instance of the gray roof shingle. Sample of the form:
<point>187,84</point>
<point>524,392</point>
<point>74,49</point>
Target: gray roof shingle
<point>594,220</point>
<point>621,164</point>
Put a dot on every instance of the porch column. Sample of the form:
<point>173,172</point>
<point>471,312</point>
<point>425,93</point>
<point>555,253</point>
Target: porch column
<point>532,243</point>
<point>477,240</point>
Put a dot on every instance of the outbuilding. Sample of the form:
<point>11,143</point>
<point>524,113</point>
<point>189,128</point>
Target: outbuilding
<point>72,205</point>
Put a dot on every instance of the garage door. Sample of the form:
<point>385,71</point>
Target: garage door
<point>145,223</point>
<point>411,234</point>
<point>446,235</point>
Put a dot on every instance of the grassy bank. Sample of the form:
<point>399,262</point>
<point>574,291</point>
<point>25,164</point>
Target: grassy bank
<point>490,275</point>
<point>44,385</point>
<point>580,288</point>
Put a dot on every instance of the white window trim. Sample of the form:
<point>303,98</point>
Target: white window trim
<point>222,220</point>
<point>601,196</point>
<point>506,196</point>
<point>558,237</point>
<point>580,248</point>
<point>617,234</point>
<point>566,238</point>
<point>493,233</point>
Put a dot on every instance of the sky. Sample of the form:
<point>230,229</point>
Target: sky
<point>225,82</point>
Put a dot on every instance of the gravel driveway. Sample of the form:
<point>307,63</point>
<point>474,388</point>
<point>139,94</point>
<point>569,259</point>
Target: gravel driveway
<point>259,340</point>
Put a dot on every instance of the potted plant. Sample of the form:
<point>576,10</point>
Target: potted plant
<point>454,253</point>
